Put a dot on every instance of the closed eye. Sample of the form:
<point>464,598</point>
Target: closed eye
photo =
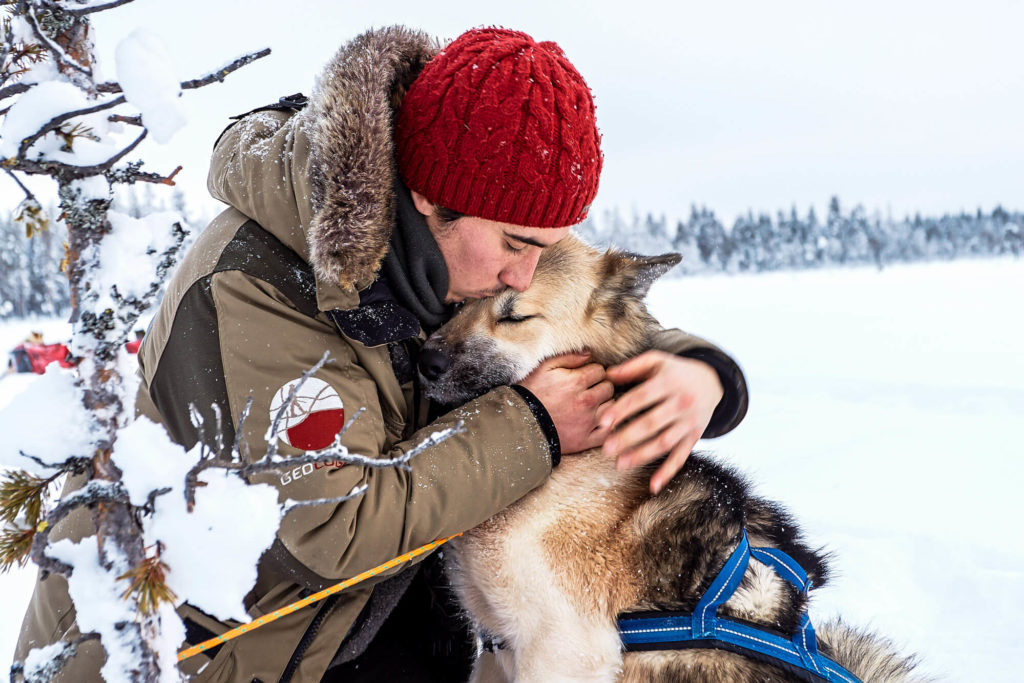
<point>515,318</point>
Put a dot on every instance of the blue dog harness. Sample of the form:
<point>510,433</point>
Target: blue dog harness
<point>704,628</point>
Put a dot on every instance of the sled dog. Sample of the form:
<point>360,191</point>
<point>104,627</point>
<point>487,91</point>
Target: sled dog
<point>547,578</point>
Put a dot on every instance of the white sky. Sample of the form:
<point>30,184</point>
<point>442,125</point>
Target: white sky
<point>901,106</point>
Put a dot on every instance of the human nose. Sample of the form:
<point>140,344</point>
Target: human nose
<point>519,274</point>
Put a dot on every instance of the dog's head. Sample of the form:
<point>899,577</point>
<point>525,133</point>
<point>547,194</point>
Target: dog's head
<point>580,298</point>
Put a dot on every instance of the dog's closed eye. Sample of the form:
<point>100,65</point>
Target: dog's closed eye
<point>515,318</point>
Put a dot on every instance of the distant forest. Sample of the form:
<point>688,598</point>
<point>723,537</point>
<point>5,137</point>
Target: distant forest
<point>793,242</point>
<point>31,282</point>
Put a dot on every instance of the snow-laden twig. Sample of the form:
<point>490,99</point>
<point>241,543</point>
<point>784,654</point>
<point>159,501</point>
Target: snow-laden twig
<point>55,123</point>
<point>28,193</point>
<point>95,8</point>
<point>58,52</point>
<point>75,464</point>
<point>216,76</point>
<point>13,89</point>
<point>272,436</point>
<point>291,504</point>
<point>94,492</point>
<point>42,664</point>
<point>336,452</point>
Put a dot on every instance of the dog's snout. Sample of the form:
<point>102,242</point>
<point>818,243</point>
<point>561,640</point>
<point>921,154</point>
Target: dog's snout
<point>433,363</point>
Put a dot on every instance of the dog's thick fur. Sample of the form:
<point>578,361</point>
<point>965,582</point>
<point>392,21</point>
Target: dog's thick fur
<point>548,576</point>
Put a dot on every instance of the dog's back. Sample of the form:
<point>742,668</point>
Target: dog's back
<point>548,577</point>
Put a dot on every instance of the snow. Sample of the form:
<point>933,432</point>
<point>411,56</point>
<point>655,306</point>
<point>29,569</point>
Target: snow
<point>47,421</point>
<point>885,413</point>
<point>42,103</point>
<point>97,599</point>
<point>214,535</point>
<point>149,79</point>
<point>131,253</point>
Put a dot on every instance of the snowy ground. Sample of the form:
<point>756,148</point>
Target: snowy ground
<point>887,411</point>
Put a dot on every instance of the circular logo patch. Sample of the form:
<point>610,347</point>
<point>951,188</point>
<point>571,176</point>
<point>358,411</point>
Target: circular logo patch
<point>313,419</point>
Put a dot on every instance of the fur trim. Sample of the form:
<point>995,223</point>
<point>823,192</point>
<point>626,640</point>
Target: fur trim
<point>349,122</point>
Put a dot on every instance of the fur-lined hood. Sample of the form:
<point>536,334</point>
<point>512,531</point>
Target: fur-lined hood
<point>322,180</point>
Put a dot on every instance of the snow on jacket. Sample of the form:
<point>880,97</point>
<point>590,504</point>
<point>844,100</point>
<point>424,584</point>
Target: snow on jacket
<point>285,274</point>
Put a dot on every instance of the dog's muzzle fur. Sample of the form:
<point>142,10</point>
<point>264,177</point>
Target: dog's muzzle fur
<point>452,375</point>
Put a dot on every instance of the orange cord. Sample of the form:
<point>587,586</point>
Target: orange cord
<point>316,597</point>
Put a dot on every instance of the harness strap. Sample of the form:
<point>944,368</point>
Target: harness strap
<point>705,628</point>
<point>721,589</point>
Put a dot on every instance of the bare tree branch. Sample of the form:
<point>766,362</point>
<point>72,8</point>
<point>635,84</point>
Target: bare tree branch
<point>48,670</point>
<point>58,52</point>
<point>56,121</point>
<point>213,77</point>
<point>73,465</point>
<point>12,90</point>
<point>96,169</point>
<point>220,73</point>
<point>336,452</point>
<point>94,492</point>
<point>28,193</point>
<point>158,179</point>
<point>272,446</point>
<point>131,120</point>
<point>354,493</point>
<point>95,8</point>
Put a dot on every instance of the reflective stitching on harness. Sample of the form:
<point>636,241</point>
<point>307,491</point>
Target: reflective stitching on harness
<point>840,674</point>
<point>796,577</point>
<point>704,611</point>
<point>793,651</point>
<point>814,660</point>
<point>656,630</point>
<point>749,637</point>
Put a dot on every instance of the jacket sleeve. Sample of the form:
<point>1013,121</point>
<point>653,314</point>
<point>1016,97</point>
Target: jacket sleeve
<point>262,343</point>
<point>733,406</point>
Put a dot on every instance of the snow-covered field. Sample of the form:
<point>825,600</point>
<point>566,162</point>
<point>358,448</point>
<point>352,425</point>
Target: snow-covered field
<point>887,411</point>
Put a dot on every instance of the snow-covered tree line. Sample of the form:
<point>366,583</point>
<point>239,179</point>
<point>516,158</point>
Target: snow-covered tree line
<point>32,281</point>
<point>32,277</point>
<point>790,241</point>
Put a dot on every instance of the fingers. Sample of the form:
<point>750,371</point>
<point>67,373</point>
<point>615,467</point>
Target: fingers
<point>632,402</point>
<point>602,392</point>
<point>650,436</point>
<point>637,368</point>
<point>673,463</point>
<point>566,360</point>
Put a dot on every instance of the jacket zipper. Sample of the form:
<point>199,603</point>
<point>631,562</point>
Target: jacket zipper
<point>307,638</point>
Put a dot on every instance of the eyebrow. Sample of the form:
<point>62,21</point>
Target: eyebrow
<point>527,240</point>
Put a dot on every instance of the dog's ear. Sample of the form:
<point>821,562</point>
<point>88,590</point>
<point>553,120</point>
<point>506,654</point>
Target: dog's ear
<point>633,275</point>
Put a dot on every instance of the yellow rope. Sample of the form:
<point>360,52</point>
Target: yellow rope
<point>316,597</point>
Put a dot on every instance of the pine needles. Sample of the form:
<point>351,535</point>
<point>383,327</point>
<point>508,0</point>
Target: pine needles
<point>149,584</point>
<point>22,496</point>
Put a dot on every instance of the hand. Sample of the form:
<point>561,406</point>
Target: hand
<point>672,406</point>
<point>572,390</point>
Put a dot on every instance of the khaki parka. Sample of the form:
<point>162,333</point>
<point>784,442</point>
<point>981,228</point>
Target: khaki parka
<point>287,273</point>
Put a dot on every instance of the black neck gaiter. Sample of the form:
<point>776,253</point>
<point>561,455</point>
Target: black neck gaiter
<point>414,267</point>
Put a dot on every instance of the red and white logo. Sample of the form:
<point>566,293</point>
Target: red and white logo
<point>313,419</point>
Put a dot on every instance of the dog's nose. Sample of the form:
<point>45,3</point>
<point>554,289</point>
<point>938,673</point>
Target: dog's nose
<point>433,363</point>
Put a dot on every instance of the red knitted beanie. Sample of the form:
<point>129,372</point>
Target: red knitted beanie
<point>498,126</point>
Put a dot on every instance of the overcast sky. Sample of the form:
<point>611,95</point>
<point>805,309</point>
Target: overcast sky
<point>901,106</point>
